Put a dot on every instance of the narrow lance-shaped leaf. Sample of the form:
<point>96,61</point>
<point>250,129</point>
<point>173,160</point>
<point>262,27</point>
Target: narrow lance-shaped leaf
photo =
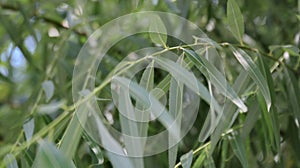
<point>156,108</point>
<point>293,93</point>
<point>28,129</point>
<point>142,111</point>
<point>266,118</point>
<point>129,127</point>
<point>48,156</point>
<point>186,159</point>
<point>200,161</point>
<point>48,88</point>
<point>254,72</point>
<point>239,149</point>
<point>187,78</point>
<point>215,77</point>
<point>235,20</point>
<point>94,147</point>
<point>157,30</point>
<point>227,117</point>
<point>175,109</point>
<point>273,110</point>
<point>10,161</point>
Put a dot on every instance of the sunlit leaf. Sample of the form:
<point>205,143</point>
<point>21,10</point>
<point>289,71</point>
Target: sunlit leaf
<point>254,72</point>
<point>215,77</point>
<point>186,159</point>
<point>49,156</point>
<point>48,88</point>
<point>187,78</point>
<point>158,32</point>
<point>28,127</point>
<point>175,109</point>
<point>10,161</point>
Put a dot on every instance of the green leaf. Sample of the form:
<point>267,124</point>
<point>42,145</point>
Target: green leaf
<point>51,107</point>
<point>143,114</point>
<point>215,77</point>
<point>254,72</point>
<point>186,159</point>
<point>48,156</point>
<point>209,161</point>
<point>273,110</point>
<point>239,149</point>
<point>48,88</point>
<point>158,31</point>
<point>129,127</point>
<point>200,161</point>
<point>72,134</point>
<point>228,116</point>
<point>183,75</point>
<point>156,108</point>
<point>298,16</point>
<point>94,147</point>
<point>10,161</point>
<point>175,109</point>
<point>293,93</point>
<point>28,127</point>
<point>235,20</point>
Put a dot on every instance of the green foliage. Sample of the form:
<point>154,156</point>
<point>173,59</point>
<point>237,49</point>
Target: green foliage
<point>249,91</point>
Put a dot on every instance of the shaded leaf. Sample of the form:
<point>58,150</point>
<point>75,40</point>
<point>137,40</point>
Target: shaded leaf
<point>200,161</point>
<point>235,20</point>
<point>239,149</point>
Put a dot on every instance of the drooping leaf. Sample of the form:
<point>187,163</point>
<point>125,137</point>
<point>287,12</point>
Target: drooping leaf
<point>94,147</point>
<point>156,108</point>
<point>50,108</point>
<point>239,149</point>
<point>215,77</point>
<point>254,72</point>
<point>273,110</point>
<point>199,162</point>
<point>48,88</point>
<point>228,116</point>
<point>129,127</point>
<point>10,161</point>
<point>28,127</point>
<point>186,159</point>
<point>158,31</point>
<point>175,109</point>
<point>235,20</point>
<point>187,78</point>
<point>48,156</point>
<point>72,134</point>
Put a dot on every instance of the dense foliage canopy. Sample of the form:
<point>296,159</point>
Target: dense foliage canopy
<point>240,74</point>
